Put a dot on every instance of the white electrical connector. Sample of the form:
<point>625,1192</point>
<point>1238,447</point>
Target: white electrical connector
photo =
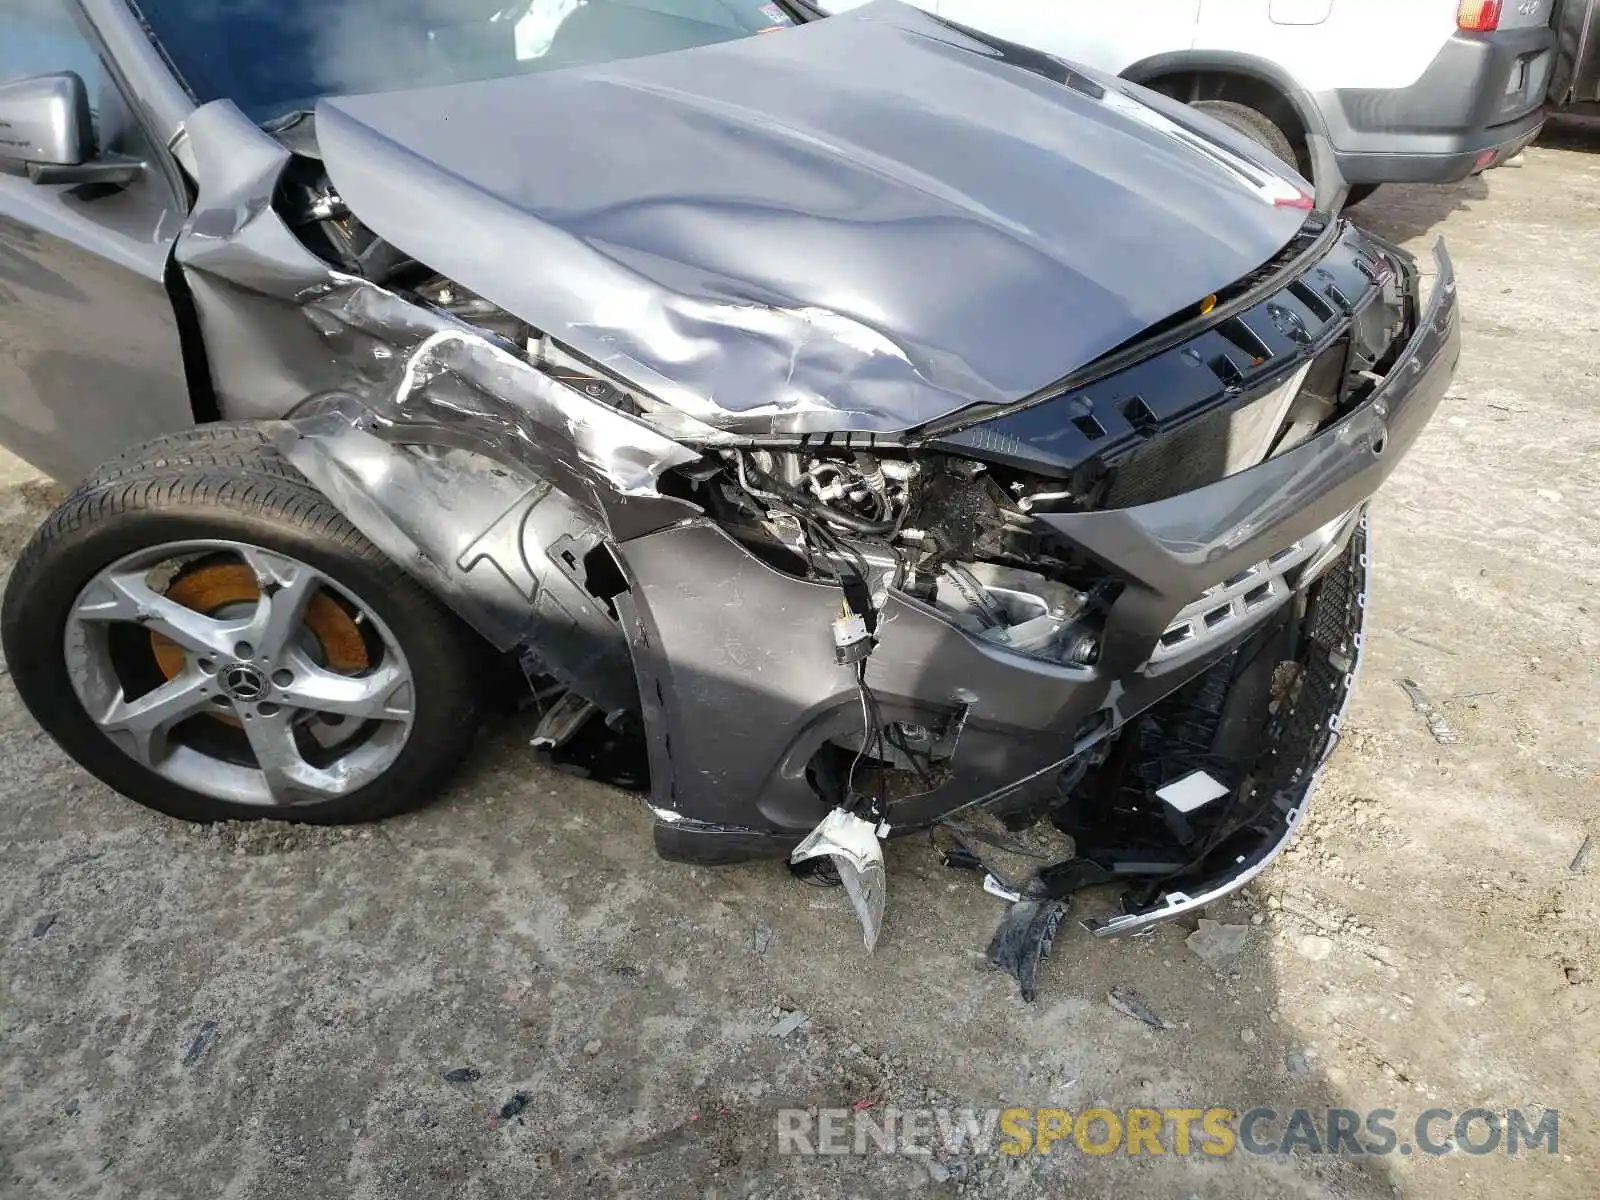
<point>852,641</point>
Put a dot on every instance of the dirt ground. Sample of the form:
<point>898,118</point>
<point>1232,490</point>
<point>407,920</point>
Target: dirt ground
<point>264,1011</point>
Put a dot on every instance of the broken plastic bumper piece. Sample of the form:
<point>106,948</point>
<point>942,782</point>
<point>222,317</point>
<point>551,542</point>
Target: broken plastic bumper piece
<point>1300,736</point>
<point>1206,839</point>
<point>852,843</point>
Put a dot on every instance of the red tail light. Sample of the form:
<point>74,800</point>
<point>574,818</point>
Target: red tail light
<point>1478,16</point>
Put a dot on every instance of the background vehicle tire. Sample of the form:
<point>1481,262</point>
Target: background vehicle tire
<point>245,652</point>
<point>1264,131</point>
<point>1255,125</point>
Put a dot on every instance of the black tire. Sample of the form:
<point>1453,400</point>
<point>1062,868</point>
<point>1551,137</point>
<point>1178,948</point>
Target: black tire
<point>227,483</point>
<point>1255,125</point>
<point>1359,192</point>
<point>224,446</point>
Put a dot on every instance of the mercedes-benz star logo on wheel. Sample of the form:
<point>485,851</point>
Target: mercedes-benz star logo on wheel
<point>244,682</point>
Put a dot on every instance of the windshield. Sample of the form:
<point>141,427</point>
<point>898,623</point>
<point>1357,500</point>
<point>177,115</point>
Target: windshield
<point>273,57</point>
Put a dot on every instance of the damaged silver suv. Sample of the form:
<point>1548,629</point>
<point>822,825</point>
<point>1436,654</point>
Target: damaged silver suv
<point>857,423</point>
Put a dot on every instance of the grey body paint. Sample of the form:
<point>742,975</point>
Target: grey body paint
<point>245,269</point>
<point>716,630</point>
<point>864,223</point>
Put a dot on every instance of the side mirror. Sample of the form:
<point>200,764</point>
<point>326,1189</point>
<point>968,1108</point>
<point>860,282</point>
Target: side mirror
<point>46,120</point>
<point>46,127</point>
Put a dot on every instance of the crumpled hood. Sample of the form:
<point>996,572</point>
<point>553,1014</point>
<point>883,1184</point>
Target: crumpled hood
<point>863,223</point>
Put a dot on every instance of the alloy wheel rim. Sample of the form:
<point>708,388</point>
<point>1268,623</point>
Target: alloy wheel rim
<point>253,702</point>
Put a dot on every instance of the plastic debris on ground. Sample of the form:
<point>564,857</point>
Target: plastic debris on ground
<point>514,1106</point>
<point>1009,860</point>
<point>201,1043</point>
<point>463,1075</point>
<point>1437,725</point>
<point>1214,940</point>
<point>981,842</point>
<point>1130,1003</point>
<point>789,1024</point>
<point>1579,860</point>
<point>1024,939</point>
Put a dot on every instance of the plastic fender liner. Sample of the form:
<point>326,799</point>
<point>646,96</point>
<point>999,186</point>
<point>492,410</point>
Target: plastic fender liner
<point>505,550</point>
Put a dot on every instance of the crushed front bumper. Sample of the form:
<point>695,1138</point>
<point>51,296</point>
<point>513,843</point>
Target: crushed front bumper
<point>1300,737</point>
<point>739,688</point>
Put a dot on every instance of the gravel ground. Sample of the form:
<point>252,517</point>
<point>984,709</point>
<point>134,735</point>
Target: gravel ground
<point>265,1011</point>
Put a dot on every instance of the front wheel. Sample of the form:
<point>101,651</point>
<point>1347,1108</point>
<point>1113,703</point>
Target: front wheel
<point>225,646</point>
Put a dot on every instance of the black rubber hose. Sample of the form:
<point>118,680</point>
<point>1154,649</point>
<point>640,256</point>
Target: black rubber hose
<point>810,504</point>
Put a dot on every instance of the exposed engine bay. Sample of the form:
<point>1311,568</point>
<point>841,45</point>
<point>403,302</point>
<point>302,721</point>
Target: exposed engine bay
<point>944,530</point>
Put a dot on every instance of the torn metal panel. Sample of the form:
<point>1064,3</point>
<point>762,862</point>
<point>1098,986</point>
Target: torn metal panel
<point>781,234</point>
<point>485,477</point>
<point>233,231</point>
<point>439,381</point>
<point>419,376</point>
<point>517,462</point>
<point>281,325</point>
<point>245,270</point>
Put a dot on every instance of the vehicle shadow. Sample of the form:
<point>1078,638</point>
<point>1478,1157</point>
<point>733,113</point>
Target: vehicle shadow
<point>1403,211</point>
<point>1572,131</point>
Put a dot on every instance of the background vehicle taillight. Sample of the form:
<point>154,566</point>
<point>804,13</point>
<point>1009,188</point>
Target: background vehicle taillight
<point>1478,16</point>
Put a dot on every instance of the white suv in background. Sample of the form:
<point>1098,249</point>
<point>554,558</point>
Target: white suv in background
<point>1353,92</point>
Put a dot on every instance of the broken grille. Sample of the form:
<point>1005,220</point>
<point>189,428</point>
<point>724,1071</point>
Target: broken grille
<point>1222,609</point>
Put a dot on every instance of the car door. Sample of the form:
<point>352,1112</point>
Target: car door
<point>90,356</point>
<point>1109,35</point>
